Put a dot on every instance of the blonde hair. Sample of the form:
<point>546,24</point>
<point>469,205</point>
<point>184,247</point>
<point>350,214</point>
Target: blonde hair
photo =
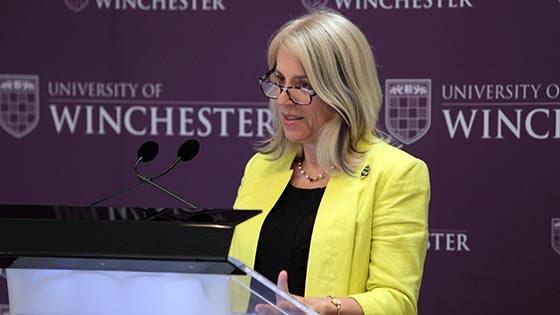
<point>339,64</point>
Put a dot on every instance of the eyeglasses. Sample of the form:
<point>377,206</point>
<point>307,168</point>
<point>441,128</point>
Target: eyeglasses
<point>271,89</point>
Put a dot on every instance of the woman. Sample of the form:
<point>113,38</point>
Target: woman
<point>344,213</point>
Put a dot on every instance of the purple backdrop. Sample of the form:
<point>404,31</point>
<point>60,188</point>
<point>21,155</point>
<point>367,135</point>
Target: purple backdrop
<point>472,87</point>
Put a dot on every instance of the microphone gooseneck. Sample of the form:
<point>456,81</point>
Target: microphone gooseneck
<point>186,152</point>
<point>149,181</point>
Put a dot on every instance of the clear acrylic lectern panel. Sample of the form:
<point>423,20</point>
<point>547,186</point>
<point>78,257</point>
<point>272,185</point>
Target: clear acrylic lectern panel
<point>103,292</point>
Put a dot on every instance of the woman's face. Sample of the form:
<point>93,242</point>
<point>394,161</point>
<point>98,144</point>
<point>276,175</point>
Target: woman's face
<point>301,124</point>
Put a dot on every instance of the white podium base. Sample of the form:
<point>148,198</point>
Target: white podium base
<point>75,292</point>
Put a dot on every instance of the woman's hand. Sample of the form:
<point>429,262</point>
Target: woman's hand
<point>281,303</point>
<point>321,305</point>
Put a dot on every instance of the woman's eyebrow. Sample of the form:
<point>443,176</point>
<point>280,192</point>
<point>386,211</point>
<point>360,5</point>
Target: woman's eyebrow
<point>299,77</point>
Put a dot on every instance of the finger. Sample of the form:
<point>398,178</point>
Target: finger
<point>283,281</point>
<point>265,309</point>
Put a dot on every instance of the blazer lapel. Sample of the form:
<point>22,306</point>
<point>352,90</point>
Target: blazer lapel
<point>267,188</point>
<point>332,241</point>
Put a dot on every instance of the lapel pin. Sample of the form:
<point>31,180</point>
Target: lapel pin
<point>365,172</point>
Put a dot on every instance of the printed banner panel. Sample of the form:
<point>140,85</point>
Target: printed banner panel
<point>471,87</point>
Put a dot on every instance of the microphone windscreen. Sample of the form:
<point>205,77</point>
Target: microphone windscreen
<point>188,150</point>
<point>148,151</point>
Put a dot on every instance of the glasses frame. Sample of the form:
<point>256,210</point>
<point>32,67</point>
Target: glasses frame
<point>286,89</point>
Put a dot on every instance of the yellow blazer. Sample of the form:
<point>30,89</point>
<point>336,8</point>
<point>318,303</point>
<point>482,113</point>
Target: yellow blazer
<point>370,234</point>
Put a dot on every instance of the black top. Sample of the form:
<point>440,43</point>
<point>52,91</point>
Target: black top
<point>286,235</point>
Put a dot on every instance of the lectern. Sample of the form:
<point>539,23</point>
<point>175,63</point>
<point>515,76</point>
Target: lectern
<point>65,260</point>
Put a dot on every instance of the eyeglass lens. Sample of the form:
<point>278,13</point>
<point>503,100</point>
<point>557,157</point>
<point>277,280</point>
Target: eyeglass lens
<point>297,95</point>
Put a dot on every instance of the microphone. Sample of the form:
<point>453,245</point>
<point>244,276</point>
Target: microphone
<point>186,152</point>
<point>146,153</point>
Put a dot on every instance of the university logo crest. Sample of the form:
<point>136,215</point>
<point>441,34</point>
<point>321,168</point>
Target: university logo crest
<point>310,4</point>
<point>19,103</point>
<point>556,235</point>
<point>76,5</point>
<point>408,107</point>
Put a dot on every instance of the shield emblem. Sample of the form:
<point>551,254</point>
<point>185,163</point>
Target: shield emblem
<point>556,235</point>
<point>408,107</point>
<point>19,103</point>
<point>76,5</point>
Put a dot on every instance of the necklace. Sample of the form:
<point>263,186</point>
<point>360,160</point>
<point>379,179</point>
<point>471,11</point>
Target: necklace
<point>302,172</point>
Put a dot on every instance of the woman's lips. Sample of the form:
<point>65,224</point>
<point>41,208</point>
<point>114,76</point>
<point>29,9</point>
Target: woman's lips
<point>291,119</point>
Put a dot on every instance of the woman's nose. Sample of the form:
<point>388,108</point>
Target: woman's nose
<point>284,98</point>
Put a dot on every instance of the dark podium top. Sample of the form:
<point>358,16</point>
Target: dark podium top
<point>118,238</point>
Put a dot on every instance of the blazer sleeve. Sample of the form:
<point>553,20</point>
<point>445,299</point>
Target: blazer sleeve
<point>399,239</point>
